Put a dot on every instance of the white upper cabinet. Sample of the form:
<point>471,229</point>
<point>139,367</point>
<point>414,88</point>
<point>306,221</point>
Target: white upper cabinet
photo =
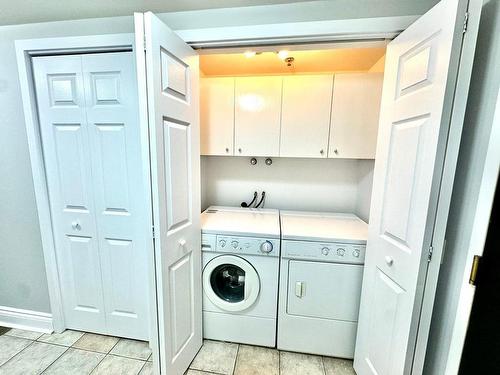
<point>305,118</point>
<point>355,113</point>
<point>217,116</point>
<point>257,116</point>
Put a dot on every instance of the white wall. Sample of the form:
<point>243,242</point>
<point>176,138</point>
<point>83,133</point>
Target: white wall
<point>290,183</point>
<point>477,128</point>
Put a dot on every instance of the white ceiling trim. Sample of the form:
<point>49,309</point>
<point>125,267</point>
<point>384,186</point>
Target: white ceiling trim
<point>297,32</point>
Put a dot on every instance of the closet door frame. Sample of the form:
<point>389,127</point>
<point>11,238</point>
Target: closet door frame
<point>26,50</point>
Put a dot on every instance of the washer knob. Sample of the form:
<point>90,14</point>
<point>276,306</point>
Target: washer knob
<point>340,252</point>
<point>355,253</point>
<point>325,251</point>
<point>222,243</point>
<point>266,247</point>
<point>234,244</point>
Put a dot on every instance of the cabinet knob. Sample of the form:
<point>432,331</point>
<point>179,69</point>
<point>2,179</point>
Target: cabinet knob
<point>389,260</point>
<point>239,150</point>
<point>321,151</point>
<point>336,151</point>
<point>76,225</point>
<point>227,149</point>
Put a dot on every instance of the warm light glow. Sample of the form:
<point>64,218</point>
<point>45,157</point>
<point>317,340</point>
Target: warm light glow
<point>249,54</point>
<point>283,54</point>
<point>251,102</point>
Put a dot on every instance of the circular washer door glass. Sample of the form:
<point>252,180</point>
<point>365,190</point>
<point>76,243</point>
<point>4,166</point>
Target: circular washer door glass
<point>231,283</point>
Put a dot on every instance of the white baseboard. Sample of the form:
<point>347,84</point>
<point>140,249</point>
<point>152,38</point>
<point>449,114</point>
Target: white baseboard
<point>25,319</point>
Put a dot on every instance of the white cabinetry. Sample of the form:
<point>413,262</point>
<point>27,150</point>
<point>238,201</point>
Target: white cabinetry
<point>257,116</point>
<point>217,115</point>
<point>305,116</point>
<point>355,113</point>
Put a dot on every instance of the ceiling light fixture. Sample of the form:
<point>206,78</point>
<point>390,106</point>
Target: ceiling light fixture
<point>282,54</point>
<point>249,54</point>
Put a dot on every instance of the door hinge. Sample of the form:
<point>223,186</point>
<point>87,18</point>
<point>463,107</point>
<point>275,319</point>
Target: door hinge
<point>429,255</point>
<point>466,22</point>
<point>153,231</point>
<point>144,43</point>
<point>474,269</point>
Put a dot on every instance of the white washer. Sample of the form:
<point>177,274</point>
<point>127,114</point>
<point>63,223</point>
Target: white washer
<point>241,250</point>
<point>322,258</point>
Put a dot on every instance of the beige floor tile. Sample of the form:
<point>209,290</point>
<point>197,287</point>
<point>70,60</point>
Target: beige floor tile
<point>147,369</point>
<point>300,364</point>
<point>114,365</point>
<point>32,360</point>
<point>10,346</point>
<point>96,343</point>
<point>67,338</point>
<point>75,362</point>
<point>216,356</point>
<point>256,360</point>
<point>30,335</point>
<point>132,349</point>
<point>338,366</point>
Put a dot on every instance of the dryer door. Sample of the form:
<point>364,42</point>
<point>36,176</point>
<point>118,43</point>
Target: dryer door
<point>231,283</point>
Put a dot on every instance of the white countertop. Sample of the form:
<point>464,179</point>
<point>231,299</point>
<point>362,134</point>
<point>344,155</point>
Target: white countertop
<point>328,227</point>
<point>236,221</point>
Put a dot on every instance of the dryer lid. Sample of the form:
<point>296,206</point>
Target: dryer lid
<point>235,221</point>
<point>322,226</point>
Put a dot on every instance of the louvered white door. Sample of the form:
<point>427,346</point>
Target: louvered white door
<point>420,85</point>
<point>90,134</point>
<point>172,114</point>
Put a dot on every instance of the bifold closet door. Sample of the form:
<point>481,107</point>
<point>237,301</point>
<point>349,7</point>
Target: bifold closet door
<point>63,126</point>
<point>90,135</point>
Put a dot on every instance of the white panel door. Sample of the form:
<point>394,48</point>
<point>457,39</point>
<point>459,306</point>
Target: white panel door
<point>417,107</point>
<point>172,76</point>
<point>355,115</point>
<point>305,116</point>
<point>63,125</point>
<point>257,116</point>
<point>113,128</point>
<point>217,115</point>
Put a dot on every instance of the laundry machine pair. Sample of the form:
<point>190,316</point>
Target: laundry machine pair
<point>315,262</point>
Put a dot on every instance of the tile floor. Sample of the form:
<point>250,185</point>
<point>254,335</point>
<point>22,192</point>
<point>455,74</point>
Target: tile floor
<point>73,352</point>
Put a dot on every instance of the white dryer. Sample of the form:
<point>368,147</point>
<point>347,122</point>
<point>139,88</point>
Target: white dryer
<point>322,258</point>
<point>241,250</point>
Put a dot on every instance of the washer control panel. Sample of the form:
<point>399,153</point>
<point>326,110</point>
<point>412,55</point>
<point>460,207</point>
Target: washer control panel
<point>247,245</point>
<point>326,252</point>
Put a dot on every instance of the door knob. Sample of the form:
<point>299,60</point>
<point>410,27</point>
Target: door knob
<point>76,225</point>
<point>389,260</point>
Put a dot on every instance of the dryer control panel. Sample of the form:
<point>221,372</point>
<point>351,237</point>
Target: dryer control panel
<point>334,252</point>
<point>241,245</point>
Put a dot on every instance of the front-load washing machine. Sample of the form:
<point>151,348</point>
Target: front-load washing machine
<point>240,249</point>
<point>322,258</point>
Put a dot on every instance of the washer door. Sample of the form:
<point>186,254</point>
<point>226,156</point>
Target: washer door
<point>231,283</point>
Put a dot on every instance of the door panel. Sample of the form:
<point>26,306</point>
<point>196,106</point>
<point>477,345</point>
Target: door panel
<point>417,107</point>
<point>257,116</point>
<point>63,127</point>
<point>305,116</point>
<point>114,133</point>
<point>173,119</point>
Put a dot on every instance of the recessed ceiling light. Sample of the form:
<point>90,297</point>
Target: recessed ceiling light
<point>249,54</point>
<point>282,54</point>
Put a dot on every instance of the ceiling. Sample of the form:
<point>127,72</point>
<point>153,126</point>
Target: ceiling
<point>312,61</point>
<point>29,11</point>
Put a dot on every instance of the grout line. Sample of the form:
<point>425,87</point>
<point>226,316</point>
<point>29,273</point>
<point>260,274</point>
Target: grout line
<point>45,369</point>
<point>20,351</point>
<point>236,358</point>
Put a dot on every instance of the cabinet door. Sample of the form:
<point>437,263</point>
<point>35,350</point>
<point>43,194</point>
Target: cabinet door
<point>257,116</point>
<point>217,116</point>
<point>305,116</point>
<point>355,112</point>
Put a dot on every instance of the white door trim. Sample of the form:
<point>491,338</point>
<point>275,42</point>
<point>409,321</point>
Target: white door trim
<point>25,50</point>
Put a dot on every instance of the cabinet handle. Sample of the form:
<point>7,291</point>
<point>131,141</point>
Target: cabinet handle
<point>336,151</point>
<point>239,150</point>
<point>227,150</point>
<point>321,151</point>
